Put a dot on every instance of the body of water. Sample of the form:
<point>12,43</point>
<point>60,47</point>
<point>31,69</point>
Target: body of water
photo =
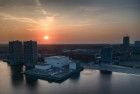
<point>12,81</point>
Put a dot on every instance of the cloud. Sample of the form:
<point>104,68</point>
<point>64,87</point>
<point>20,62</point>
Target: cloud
<point>79,11</point>
<point>69,2</point>
<point>39,5</point>
<point>30,14</point>
<point>16,2</point>
<point>20,19</point>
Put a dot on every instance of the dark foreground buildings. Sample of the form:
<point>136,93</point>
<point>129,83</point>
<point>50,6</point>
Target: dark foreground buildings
<point>126,41</point>
<point>30,53</point>
<point>15,53</point>
<point>23,53</point>
<point>137,44</point>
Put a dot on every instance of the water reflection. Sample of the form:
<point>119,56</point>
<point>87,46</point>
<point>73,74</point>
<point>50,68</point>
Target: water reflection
<point>105,82</point>
<point>31,82</point>
<point>105,72</point>
<point>17,77</point>
<point>75,77</point>
<point>87,82</point>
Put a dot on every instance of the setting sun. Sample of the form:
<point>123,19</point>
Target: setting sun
<point>46,37</point>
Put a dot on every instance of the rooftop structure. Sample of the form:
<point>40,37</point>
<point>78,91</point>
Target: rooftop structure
<point>57,61</point>
<point>43,67</point>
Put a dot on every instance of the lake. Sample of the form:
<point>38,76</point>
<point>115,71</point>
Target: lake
<point>89,81</point>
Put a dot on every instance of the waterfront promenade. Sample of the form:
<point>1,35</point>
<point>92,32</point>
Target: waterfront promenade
<point>113,68</point>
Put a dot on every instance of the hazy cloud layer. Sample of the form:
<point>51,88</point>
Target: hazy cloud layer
<point>100,18</point>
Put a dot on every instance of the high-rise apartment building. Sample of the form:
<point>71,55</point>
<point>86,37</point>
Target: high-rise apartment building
<point>15,53</point>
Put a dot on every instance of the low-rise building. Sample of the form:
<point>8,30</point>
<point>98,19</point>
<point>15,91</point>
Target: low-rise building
<point>80,54</point>
<point>58,61</point>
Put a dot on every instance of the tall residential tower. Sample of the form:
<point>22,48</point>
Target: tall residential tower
<point>15,53</point>
<point>126,41</point>
<point>30,53</point>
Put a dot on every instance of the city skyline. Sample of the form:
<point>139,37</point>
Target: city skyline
<point>69,22</point>
<point>70,46</point>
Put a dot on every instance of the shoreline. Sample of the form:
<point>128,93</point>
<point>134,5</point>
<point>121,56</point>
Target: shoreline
<point>114,68</point>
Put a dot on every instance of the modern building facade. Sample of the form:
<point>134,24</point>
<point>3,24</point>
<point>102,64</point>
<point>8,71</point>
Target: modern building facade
<point>126,41</point>
<point>106,55</point>
<point>15,53</point>
<point>30,53</point>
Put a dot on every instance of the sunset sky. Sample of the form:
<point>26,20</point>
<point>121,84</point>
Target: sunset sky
<point>69,21</point>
